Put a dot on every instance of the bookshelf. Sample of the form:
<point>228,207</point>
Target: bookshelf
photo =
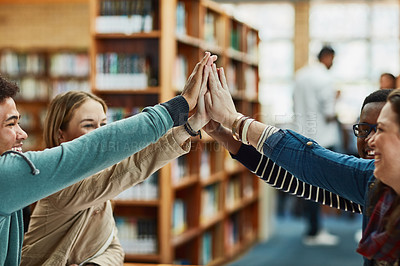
<point>41,74</point>
<point>202,208</point>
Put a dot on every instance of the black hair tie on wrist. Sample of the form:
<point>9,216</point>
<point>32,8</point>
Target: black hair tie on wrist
<point>190,130</point>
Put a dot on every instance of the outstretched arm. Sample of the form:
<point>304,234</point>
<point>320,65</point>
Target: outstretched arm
<point>344,175</point>
<point>62,166</point>
<point>275,175</point>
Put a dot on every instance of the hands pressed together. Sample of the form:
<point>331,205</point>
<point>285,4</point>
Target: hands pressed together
<point>207,89</point>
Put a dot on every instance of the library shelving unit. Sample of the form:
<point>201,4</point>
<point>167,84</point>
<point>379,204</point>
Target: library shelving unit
<point>202,208</point>
<point>40,74</point>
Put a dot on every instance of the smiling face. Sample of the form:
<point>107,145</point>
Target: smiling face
<point>369,114</point>
<point>11,134</point>
<point>386,143</point>
<point>86,118</point>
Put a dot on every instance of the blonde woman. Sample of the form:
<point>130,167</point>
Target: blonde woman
<point>75,226</point>
<point>31,176</point>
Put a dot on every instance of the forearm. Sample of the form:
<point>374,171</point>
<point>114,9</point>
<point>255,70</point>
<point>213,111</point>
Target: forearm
<point>110,182</point>
<point>279,178</point>
<point>113,255</point>
<point>64,165</point>
<point>224,137</point>
<point>342,174</point>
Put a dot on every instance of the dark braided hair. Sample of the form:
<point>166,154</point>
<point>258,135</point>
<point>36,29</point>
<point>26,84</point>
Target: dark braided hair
<point>8,89</point>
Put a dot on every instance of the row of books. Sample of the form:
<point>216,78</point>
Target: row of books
<point>180,72</point>
<point>28,120</point>
<point>18,63</point>
<point>121,71</point>
<point>206,248</point>
<point>252,44</point>
<point>61,86</point>
<point>210,28</point>
<point>147,190</point>
<point>232,231</point>
<point>121,63</point>
<point>205,167</point>
<point>137,235</point>
<point>179,168</point>
<point>69,64</point>
<point>210,197</point>
<point>235,38</point>
<point>179,220</point>
<point>118,113</point>
<point>232,195</point>
<point>181,19</point>
<point>63,64</point>
<point>32,89</point>
<point>250,80</point>
<point>125,16</point>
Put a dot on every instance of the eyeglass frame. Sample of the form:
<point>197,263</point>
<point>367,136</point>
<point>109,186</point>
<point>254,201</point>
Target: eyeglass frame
<point>371,127</point>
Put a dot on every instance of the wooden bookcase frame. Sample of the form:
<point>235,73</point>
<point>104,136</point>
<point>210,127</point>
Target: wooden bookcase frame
<point>163,45</point>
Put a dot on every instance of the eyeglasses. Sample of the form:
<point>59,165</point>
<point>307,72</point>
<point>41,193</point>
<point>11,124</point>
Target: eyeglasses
<point>362,130</point>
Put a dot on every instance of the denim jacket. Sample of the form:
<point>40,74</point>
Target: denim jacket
<point>344,175</point>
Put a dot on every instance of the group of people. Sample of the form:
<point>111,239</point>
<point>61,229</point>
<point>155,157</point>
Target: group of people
<point>87,163</point>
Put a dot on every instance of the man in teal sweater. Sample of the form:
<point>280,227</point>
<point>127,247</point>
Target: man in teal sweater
<point>28,177</point>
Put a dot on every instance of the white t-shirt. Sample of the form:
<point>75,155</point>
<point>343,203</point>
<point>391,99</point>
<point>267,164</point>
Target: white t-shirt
<point>314,101</point>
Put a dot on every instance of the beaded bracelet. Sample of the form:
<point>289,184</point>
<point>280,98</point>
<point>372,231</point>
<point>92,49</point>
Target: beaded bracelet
<point>190,130</point>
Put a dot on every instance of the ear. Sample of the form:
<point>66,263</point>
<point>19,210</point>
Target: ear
<point>61,137</point>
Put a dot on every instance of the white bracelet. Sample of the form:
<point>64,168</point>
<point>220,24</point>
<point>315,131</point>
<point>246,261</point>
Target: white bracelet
<point>245,129</point>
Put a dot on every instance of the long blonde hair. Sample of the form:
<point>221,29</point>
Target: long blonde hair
<point>60,112</point>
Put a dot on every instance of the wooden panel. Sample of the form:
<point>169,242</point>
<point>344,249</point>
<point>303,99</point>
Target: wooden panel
<point>30,26</point>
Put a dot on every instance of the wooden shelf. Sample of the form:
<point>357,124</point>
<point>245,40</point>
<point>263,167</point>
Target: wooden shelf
<point>149,90</point>
<point>141,203</point>
<point>241,204</point>
<point>212,221</point>
<point>185,237</point>
<point>214,178</point>
<point>172,51</point>
<point>139,35</point>
<point>186,182</point>
<point>142,257</point>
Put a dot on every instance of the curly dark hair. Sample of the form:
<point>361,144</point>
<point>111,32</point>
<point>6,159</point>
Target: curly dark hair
<point>379,96</point>
<point>8,89</point>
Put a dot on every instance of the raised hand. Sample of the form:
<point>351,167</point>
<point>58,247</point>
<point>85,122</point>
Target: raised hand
<point>201,118</point>
<point>194,83</point>
<point>219,103</point>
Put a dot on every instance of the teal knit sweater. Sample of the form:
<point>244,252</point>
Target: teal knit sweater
<point>69,163</point>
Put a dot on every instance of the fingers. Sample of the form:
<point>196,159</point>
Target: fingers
<point>203,88</point>
<point>215,73</point>
<point>212,82</point>
<point>211,60</point>
<point>202,63</point>
<point>222,78</point>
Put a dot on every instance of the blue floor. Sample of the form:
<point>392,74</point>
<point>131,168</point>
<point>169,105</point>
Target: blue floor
<point>285,247</point>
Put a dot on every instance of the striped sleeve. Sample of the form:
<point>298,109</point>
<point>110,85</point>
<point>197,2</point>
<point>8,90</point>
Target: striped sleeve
<point>281,179</point>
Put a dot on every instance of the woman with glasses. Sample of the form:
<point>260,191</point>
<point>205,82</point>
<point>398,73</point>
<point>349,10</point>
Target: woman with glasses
<point>345,175</point>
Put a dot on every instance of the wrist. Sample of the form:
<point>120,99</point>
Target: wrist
<point>230,119</point>
<point>195,122</point>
